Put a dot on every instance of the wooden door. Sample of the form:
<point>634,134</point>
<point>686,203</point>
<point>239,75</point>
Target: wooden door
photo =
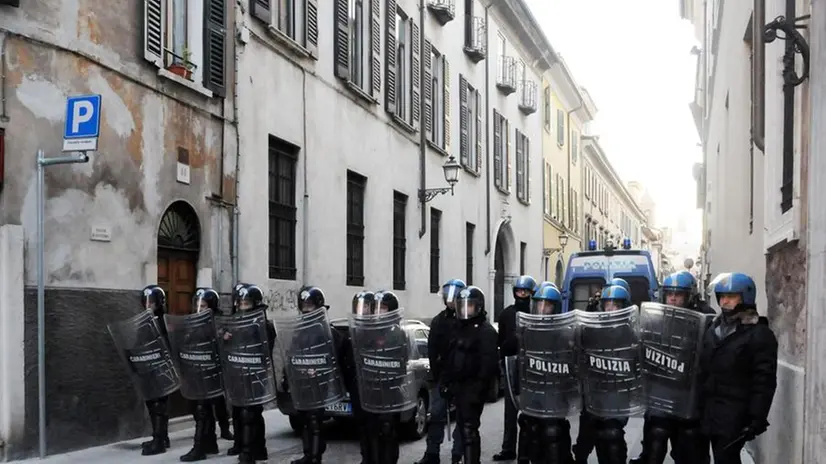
<point>177,277</point>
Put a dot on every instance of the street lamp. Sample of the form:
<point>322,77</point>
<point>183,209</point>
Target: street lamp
<point>563,241</point>
<point>451,169</point>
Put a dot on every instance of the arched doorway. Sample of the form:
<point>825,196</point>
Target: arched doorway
<point>558,273</point>
<point>502,264</point>
<point>179,244</point>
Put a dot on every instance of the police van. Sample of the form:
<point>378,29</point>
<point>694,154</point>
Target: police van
<point>588,271</point>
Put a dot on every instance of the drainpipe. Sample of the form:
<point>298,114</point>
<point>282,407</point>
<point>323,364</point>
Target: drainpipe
<point>236,212</point>
<point>306,206</point>
<point>422,129</point>
<point>4,117</point>
<point>487,131</point>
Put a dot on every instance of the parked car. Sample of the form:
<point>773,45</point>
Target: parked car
<point>413,423</point>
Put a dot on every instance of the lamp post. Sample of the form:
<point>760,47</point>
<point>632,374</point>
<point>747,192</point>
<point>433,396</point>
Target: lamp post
<point>451,169</point>
<point>563,241</point>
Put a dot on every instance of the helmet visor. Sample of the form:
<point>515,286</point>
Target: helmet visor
<point>467,307</point>
<point>363,305</point>
<point>543,307</point>
<point>449,293</point>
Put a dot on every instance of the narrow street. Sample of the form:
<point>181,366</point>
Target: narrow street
<point>342,447</point>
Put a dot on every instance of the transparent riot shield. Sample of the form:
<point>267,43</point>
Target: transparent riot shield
<point>246,358</point>
<point>547,365</point>
<point>142,346</point>
<point>382,351</point>
<point>312,364</point>
<point>671,339</point>
<point>609,362</point>
<point>195,351</point>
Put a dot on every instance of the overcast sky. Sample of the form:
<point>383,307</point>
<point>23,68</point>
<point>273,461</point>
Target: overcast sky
<point>634,58</point>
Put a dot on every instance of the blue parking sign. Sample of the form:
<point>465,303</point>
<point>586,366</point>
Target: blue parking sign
<point>82,127</point>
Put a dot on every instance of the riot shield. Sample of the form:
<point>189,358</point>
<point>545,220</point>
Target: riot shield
<point>512,379</point>
<point>246,358</point>
<point>195,351</point>
<point>382,351</point>
<point>313,369</point>
<point>144,350</point>
<point>610,362</point>
<point>547,360</point>
<point>671,339</point>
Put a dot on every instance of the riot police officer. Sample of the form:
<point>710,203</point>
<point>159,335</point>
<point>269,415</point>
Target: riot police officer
<point>739,368</point>
<point>363,303</point>
<point>205,441</point>
<point>250,429</point>
<point>471,364</point>
<point>311,299</point>
<point>688,445</point>
<point>153,299</point>
<point>523,289</point>
<point>544,440</point>
<point>442,329</point>
<point>607,435</point>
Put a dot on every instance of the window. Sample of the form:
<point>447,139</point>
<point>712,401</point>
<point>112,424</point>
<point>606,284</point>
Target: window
<point>547,109</point>
<point>435,223</point>
<point>357,45</point>
<point>470,230</point>
<point>561,208</point>
<point>420,339</point>
<point>560,127</point>
<point>574,147</point>
<point>437,98</point>
<point>402,70</point>
<point>552,193</point>
<point>587,182</point>
<point>188,39</point>
<point>523,166</point>
<point>281,209</point>
<point>470,126</point>
<point>356,185</point>
<point>501,152</point>
<point>523,258</point>
<point>399,240</point>
<point>573,221</point>
<point>546,189</point>
<point>295,19</point>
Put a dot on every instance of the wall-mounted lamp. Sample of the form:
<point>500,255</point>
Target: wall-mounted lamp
<point>563,241</point>
<point>451,169</point>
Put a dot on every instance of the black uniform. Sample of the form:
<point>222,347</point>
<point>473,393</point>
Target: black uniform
<point>509,346</point>
<point>472,363</point>
<point>688,445</point>
<point>383,440</point>
<point>443,328</point>
<point>739,368</point>
<point>154,298</point>
<point>586,435</point>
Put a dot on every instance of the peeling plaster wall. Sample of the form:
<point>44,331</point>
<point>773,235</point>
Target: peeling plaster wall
<point>58,48</point>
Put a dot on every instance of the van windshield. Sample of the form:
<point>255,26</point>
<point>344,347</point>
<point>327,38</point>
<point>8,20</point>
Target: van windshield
<point>582,290</point>
<point>639,288</point>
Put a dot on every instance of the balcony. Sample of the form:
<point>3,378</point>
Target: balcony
<point>527,97</point>
<point>475,31</point>
<point>443,10</point>
<point>506,79</point>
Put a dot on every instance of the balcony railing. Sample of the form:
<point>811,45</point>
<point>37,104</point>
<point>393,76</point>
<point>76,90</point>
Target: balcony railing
<point>443,10</point>
<point>527,97</point>
<point>475,31</point>
<point>506,77</point>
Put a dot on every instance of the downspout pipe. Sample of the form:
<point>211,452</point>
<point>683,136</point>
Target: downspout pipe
<point>487,131</point>
<point>305,253</point>
<point>422,129</point>
<point>236,212</point>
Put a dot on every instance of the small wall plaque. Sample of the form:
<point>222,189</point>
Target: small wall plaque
<point>101,233</point>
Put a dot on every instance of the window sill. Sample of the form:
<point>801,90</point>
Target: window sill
<point>289,42</point>
<point>403,124</point>
<point>503,191</point>
<point>360,92</point>
<point>524,202</point>
<point>436,148</point>
<point>194,86</point>
<point>471,171</point>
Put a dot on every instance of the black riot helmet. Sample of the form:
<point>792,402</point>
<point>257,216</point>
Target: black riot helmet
<point>153,299</point>
<point>310,298</point>
<point>235,298</point>
<point>471,303</point>
<point>363,303</point>
<point>248,298</point>
<point>205,299</point>
<point>385,301</point>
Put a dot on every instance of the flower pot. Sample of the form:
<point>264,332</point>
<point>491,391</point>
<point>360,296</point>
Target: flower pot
<point>180,70</point>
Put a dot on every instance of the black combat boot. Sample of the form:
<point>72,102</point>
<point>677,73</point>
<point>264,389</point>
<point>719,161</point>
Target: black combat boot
<point>312,439</point>
<point>160,433</point>
<point>220,406</point>
<point>473,446</point>
<point>235,450</point>
<point>205,441</point>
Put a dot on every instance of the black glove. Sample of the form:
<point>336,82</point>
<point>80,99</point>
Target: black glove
<point>445,393</point>
<point>754,429</point>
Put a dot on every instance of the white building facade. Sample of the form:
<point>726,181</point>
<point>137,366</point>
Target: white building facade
<point>349,109</point>
<point>753,186</point>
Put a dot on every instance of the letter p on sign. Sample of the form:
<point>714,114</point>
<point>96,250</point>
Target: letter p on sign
<point>83,112</point>
<point>82,127</point>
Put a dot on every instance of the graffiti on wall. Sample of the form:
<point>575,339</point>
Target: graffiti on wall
<point>280,299</point>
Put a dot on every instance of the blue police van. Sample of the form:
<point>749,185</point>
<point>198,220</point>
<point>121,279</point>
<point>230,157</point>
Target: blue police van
<point>588,271</point>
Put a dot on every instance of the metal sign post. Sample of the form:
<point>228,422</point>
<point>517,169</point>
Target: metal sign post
<point>80,135</point>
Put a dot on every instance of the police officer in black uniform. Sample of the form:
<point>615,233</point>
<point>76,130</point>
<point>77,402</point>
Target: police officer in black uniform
<point>523,289</point>
<point>739,369</point>
<point>250,429</point>
<point>311,299</point>
<point>205,441</point>
<point>687,443</point>
<point>153,299</point>
<point>363,303</point>
<point>471,364</point>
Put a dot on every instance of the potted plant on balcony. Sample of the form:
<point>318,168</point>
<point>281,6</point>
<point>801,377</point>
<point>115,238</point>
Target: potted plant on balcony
<point>182,67</point>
